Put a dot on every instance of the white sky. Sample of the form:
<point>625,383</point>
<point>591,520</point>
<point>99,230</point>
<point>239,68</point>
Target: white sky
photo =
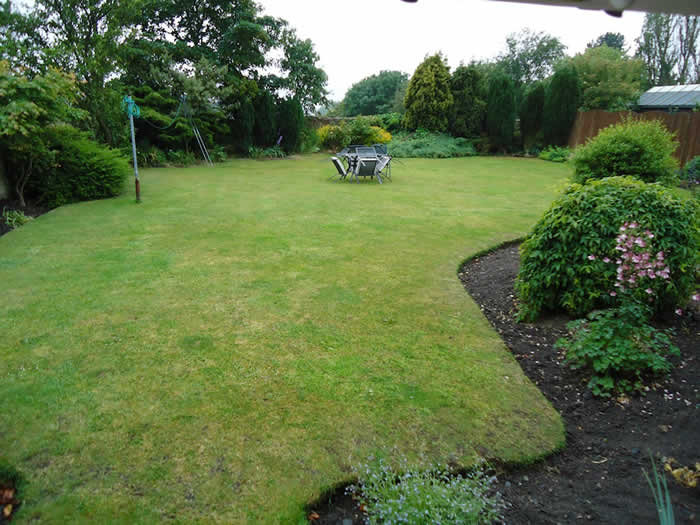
<point>359,38</point>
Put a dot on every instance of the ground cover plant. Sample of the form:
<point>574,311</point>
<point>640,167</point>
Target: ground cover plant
<point>227,349</point>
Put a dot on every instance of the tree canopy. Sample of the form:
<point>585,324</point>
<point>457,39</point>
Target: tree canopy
<point>609,79</point>
<point>375,94</point>
<point>469,90</point>
<point>613,40</point>
<point>530,56</point>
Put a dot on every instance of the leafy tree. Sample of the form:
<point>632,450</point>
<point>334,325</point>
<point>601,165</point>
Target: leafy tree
<point>428,97</point>
<point>375,94</point>
<point>612,40</point>
<point>609,79</point>
<point>27,108</point>
<point>562,100</point>
<point>242,127</point>
<point>530,56</point>
<point>304,79</point>
<point>668,45</point>
<point>500,113</point>
<point>469,92</point>
<point>531,114</point>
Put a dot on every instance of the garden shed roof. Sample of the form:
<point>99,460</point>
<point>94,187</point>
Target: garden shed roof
<point>686,96</point>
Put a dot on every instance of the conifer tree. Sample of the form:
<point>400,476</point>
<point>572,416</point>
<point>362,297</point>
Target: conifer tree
<point>428,97</point>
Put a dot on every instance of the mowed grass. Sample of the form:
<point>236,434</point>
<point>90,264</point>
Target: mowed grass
<point>226,350</point>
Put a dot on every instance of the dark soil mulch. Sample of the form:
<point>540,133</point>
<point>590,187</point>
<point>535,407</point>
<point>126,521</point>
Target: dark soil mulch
<point>597,477</point>
<point>31,210</point>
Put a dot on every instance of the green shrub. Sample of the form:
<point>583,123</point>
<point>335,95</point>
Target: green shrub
<point>360,130</point>
<point>181,158</point>
<point>273,152</point>
<point>332,137</point>
<point>218,154</point>
<point>82,169</point>
<point>151,157</point>
<point>635,148</point>
<point>425,496</point>
<point>555,154</point>
<point>618,347</point>
<point>556,272</point>
<point>690,174</point>
<point>531,113</point>
<point>389,121</point>
<point>14,218</point>
<point>309,140</point>
<point>424,144</point>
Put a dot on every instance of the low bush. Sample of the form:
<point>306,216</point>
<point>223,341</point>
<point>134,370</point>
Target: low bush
<point>14,218</point>
<point>555,154</point>
<point>273,152</point>
<point>181,158</point>
<point>218,154</point>
<point>425,496</point>
<point>635,148</point>
<point>618,347</point>
<point>360,130</point>
<point>151,157</point>
<point>426,144</point>
<point>563,259</point>
<point>82,169</point>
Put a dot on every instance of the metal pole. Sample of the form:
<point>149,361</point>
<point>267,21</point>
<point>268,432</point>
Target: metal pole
<point>133,150</point>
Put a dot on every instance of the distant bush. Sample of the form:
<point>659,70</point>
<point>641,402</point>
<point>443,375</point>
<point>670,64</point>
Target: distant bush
<point>389,121</point>
<point>82,169</point>
<point>425,144</point>
<point>309,140</point>
<point>690,175</point>
<point>555,154</point>
<point>360,130</point>
<point>14,218</point>
<point>557,272</point>
<point>637,148</point>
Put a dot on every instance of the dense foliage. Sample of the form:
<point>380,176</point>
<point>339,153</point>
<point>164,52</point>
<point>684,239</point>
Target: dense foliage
<point>618,347</point>
<point>609,79</point>
<point>361,130</point>
<point>375,94</point>
<point>555,154</point>
<point>428,96</point>
<point>562,100</point>
<point>82,169</point>
<point>291,123</point>
<point>501,111</point>
<point>562,259</point>
<point>611,40</point>
<point>531,114</point>
<point>469,90</point>
<point>638,148</point>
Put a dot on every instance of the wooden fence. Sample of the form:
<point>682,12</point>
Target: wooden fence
<point>685,125</point>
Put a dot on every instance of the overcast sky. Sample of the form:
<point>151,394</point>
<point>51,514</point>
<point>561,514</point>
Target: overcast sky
<point>358,38</point>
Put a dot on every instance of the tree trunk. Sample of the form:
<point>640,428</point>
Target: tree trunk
<point>22,182</point>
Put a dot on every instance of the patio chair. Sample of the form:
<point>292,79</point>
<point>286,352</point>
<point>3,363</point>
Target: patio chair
<point>367,167</point>
<point>383,165</point>
<point>381,149</point>
<point>342,172</point>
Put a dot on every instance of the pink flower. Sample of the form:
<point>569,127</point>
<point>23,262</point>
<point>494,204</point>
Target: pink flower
<point>633,225</point>
<point>679,311</point>
<point>651,274</point>
<point>606,260</point>
<point>613,294</point>
<point>649,234</point>
<point>696,297</point>
<point>591,257</point>
<point>649,291</point>
<point>660,256</point>
<point>640,242</point>
<point>623,227</point>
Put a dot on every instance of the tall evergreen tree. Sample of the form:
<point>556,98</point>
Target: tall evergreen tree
<point>531,114</point>
<point>469,93</point>
<point>562,100</point>
<point>501,111</point>
<point>291,123</point>
<point>265,127</point>
<point>428,98</point>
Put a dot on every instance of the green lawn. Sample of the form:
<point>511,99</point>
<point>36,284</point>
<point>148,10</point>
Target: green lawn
<point>226,350</point>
